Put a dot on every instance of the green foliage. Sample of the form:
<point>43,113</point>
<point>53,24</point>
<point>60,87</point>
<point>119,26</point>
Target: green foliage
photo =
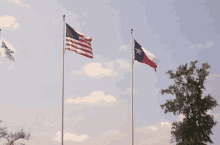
<point>12,137</point>
<point>188,89</point>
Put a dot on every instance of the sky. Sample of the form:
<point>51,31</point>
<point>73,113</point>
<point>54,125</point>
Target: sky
<point>97,92</point>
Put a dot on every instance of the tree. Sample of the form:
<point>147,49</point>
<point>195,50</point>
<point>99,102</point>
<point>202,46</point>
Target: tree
<point>12,137</point>
<point>3,131</point>
<point>188,89</point>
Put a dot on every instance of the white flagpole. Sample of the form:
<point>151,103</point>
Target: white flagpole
<point>63,79</point>
<point>132,134</point>
<point>0,40</point>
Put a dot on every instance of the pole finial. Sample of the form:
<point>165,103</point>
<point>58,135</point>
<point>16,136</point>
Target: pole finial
<point>131,30</point>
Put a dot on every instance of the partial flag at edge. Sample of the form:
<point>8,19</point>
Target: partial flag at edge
<point>7,50</point>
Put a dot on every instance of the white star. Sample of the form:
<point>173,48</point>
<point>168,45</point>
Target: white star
<point>139,51</point>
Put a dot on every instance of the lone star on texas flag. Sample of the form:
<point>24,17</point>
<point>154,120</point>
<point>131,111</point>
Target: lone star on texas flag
<point>139,51</point>
<point>143,56</point>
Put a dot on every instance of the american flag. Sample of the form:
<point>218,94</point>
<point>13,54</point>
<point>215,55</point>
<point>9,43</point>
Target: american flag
<point>77,42</point>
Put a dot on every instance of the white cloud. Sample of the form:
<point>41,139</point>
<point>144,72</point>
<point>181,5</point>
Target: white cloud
<point>45,128</point>
<point>128,91</point>
<point>16,25</point>
<point>153,128</point>
<point>207,45</point>
<point>208,112</point>
<point>42,123</point>
<point>192,47</point>
<point>96,70</point>
<point>212,85</point>
<point>123,48</point>
<point>123,64</point>
<point>181,117</point>
<point>169,124</point>
<point>18,3</point>
<point>9,22</point>
<point>85,13</point>
<point>12,66</point>
<point>216,116</point>
<point>200,45</point>
<point>48,123</point>
<point>108,137</point>
<point>212,76</point>
<point>109,133</point>
<point>156,134</point>
<point>70,137</point>
<point>96,97</point>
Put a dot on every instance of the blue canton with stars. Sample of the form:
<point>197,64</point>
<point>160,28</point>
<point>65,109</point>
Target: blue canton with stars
<point>71,33</point>
<point>138,52</point>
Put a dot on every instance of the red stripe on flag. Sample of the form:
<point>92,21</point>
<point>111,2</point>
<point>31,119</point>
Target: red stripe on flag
<point>146,60</point>
<point>83,41</point>
<point>85,55</point>
<point>79,52</point>
<point>81,46</point>
<point>77,47</point>
<point>78,43</point>
<point>83,36</point>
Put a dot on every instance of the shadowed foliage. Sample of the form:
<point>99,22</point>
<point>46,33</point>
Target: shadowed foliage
<point>188,89</point>
<point>12,137</point>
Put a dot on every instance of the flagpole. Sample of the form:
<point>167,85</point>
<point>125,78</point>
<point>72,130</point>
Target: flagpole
<point>1,38</point>
<point>132,134</point>
<point>63,79</point>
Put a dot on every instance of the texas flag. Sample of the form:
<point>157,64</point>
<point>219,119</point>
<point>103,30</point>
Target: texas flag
<point>144,56</point>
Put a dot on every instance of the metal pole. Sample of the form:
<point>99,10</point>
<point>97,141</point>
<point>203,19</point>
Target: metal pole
<point>1,37</point>
<point>132,134</point>
<point>63,79</point>
<point>0,41</point>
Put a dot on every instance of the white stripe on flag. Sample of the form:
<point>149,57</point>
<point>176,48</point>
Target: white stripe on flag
<point>151,56</point>
<point>81,41</point>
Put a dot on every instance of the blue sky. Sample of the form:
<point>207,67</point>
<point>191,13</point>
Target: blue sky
<point>97,91</point>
